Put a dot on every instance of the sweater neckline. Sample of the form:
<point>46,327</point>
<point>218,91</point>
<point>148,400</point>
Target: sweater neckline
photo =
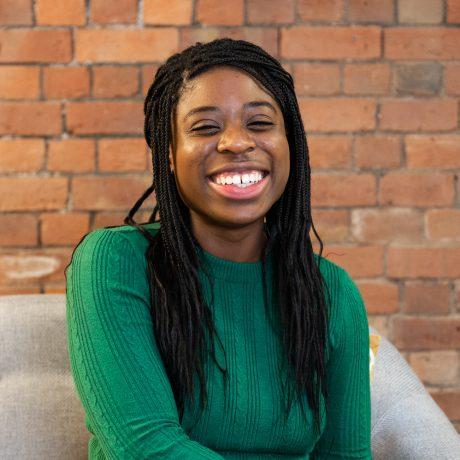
<point>229,270</point>
<point>243,272</point>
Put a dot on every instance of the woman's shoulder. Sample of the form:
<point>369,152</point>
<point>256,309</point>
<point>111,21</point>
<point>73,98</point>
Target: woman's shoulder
<point>110,244</point>
<point>346,299</point>
<point>334,275</point>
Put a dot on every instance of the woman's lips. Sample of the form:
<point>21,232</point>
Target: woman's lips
<point>240,193</point>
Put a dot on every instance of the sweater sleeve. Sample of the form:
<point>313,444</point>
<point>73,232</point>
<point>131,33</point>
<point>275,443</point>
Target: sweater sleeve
<point>347,434</point>
<point>115,363</point>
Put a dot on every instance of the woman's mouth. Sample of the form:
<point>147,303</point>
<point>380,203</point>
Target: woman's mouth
<point>240,186</point>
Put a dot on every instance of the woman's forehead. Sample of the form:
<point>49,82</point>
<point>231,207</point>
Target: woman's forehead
<point>222,85</point>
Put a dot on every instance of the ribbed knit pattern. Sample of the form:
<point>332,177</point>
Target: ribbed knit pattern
<point>121,380</point>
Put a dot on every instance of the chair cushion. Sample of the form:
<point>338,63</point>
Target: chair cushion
<point>41,415</point>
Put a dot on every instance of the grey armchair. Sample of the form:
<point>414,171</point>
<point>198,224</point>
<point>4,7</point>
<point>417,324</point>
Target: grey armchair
<point>41,416</point>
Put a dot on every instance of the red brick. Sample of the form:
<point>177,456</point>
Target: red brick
<point>452,79</point>
<point>453,11</point>
<point>30,118</point>
<point>110,12</point>
<point>21,155</point>
<point>387,225</point>
<point>419,79</point>
<point>423,262</point>
<point>107,193</point>
<point>417,189</point>
<point>14,290</point>
<point>359,261</point>
<point>411,333</point>
<point>304,42</point>
<point>32,193</point>
<point>148,75</point>
<point>65,82</point>
<point>367,79</point>
<point>343,189</point>
<point>377,152</point>
<point>19,82</point>
<point>265,37</point>
<point>417,12</point>
<point>104,219</point>
<point>320,10</point>
<point>331,225</point>
<point>170,12</point>
<point>379,297</point>
<point>380,11</point>
<point>58,13</point>
<point>115,81</point>
<point>422,43</point>
<point>329,152</point>
<point>26,45</point>
<point>437,151</point>
<point>270,12</point>
<point>16,12</point>
<point>316,79</point>
<point>436,367</point>
<point>418,115</point>
<point>125,45</point>
<point>216,12</point>
<point>58,229</point>
<point>17,230</point>
<point>426,297</point>
<point>443,224</point>
<point>123,155</point>
<point>449,401</point>
<point>105,117</point>
<point>71,155</point>
<point>26,268</point>
<point>338,115</point>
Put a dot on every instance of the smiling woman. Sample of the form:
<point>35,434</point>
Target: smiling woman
<point>221,301</point>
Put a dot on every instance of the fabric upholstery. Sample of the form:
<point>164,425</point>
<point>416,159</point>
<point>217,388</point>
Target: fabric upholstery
<point>41,416</point>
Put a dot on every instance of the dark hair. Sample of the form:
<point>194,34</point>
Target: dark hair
<point>179,310</point>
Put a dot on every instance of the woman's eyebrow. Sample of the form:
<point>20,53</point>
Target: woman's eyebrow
<point>212,108</point>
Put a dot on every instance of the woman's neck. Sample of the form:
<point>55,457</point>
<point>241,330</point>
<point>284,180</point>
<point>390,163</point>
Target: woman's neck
<point>244,244</point>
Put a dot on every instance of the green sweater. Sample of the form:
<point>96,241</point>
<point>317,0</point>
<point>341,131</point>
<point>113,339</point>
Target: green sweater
<point>122,384</point>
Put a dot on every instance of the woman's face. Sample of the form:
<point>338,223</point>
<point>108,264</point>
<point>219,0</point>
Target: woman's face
<point>226,121</point>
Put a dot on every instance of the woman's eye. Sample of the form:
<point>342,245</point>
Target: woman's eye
<point>261,123</point>
<point>204,127</point>
<point>255,123</point>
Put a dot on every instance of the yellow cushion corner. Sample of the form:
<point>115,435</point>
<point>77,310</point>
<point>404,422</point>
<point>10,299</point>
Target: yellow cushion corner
<point>374,340</point>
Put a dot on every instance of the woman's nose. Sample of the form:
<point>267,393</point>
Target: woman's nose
<point>235,139</point>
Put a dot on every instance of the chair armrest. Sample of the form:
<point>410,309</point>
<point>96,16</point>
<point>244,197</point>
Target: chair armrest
<point>406,421</point>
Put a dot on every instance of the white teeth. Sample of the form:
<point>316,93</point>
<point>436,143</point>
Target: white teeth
<point>240,180</point>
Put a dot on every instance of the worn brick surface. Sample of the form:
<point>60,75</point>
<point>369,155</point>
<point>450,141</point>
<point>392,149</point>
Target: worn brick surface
<point>420,11</point>
<point>321,10</point>
<point>380,11</point>
<point>66,82</point>
<point>110,12</point>
<point>19,82</point>
<point>21,155</point>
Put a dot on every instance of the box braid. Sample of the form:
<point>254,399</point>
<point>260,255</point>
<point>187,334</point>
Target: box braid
<point>178,308</point>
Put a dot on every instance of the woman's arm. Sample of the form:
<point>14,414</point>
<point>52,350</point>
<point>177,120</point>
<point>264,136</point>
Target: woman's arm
<point>347,434</point>
<point>115,362</point>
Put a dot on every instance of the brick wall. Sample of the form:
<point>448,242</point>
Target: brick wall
<point>378,84</point>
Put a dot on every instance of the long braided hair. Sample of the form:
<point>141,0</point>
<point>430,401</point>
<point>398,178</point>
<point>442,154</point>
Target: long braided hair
<point>182,319</point>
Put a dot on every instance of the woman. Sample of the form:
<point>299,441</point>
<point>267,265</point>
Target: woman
<point>189,336</point>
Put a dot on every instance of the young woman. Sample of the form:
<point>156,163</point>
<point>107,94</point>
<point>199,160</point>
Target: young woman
<point>215,331</point>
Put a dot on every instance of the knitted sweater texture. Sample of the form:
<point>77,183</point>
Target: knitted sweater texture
<point>121,381</point>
